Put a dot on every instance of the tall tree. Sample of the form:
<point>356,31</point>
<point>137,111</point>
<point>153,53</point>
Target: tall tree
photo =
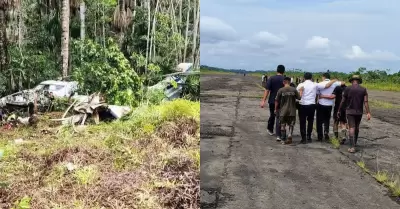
<point>5,6</point>
<point>65,37</point>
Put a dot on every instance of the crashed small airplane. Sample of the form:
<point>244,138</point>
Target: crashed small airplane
<point>173,83</point>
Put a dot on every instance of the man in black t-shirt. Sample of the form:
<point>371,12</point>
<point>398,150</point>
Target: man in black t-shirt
<point>338,92</point>
<point>274,83</point>
<point>355,97</point>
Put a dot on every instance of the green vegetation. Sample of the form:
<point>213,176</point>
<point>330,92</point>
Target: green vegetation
<point>148,159</point>
<point>151,154</point>
<point>382,104</point>
<point>381,176</point>
<point>113,47</point>
<point>372,79</point>
<point>393,182</point>
<point>361,164</point>
<point>335,142</point>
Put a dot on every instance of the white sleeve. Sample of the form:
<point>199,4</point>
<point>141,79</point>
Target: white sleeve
<point>320,86</point>
<point>337,83</point>
<point>299,86</point>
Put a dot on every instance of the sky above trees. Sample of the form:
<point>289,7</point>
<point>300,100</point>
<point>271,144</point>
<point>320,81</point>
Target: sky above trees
<point>312,35</point>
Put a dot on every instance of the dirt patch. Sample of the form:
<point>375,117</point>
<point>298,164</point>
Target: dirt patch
<point>391,116</point>
<point>109,165</point>
<point>178,133</point>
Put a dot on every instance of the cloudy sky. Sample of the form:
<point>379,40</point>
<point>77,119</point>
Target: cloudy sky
<point>313,35</point>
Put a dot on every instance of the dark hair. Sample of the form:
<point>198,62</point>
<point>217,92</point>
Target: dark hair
<point>327,75</point>
<point>307,76</point>
<point>280,69</point>
<point>288,79</point>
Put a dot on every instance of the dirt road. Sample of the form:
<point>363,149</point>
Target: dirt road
<point>243,167</point>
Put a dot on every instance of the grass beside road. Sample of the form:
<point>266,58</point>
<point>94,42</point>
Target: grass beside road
<point>149,160</point>
<point>382,104</point>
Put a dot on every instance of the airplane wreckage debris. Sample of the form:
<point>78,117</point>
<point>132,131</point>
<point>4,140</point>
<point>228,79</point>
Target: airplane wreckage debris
<point>84,109</point>
<point>93,107</point>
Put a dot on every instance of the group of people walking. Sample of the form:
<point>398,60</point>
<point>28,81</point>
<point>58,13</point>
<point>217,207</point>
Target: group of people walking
<point>286,100</point>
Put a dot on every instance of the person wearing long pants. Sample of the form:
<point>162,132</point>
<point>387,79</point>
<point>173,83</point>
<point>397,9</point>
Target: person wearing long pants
<point>274,83</point>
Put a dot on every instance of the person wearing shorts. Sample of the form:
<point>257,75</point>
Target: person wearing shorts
<point>285,106</point>
<point>355,97</point>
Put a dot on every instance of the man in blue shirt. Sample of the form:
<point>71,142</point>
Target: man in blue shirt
<point>274,83</point>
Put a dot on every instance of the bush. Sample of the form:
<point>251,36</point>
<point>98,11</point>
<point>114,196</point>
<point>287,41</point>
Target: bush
<point>106,70</point>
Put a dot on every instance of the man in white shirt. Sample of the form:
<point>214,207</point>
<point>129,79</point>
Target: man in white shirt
<point>308,93</point>
<point>324,107</point>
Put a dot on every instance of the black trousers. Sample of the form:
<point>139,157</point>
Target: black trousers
<point>274,120</point>
<point>306,115</point>
<point>323,119</point>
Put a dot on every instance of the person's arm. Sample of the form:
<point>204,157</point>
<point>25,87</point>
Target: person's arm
<point>267,89</point>
<point>277,100</point>
<point>301,90</point>
<point>344,98</point>
<point>366,102</point>
<point>332,96</point>
<point>298,97</point>
<point>320,86</point>
<point>330,83</point>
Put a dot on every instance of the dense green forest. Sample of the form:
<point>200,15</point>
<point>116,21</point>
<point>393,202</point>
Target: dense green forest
<point>112,46</point>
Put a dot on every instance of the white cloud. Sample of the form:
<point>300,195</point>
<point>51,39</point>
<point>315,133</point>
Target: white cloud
<point>318,42</point>
<point>357,53</point>
<point>260,44</point>
<point>265,37</point>
<point>214,30</point>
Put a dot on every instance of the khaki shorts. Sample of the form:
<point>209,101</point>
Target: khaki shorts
<point>287,120</point>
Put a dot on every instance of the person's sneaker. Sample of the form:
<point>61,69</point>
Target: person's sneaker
<point>326,137</point>
<point>270,132</point>
<point>278,139</point>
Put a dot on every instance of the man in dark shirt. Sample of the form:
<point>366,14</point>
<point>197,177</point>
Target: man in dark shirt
<point>354,98</point>
<point>285,107</point>
<point>274,83</point>
<point>338,92</point>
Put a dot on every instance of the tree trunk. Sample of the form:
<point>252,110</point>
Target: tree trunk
<point>196,15</point>
<point>82,11</point>
<point>65,38</point>
<point>3,41</point>
<point>179,26</point>
<point>153,33</point>
<point>148,34</point>
<point>133,18</point>
<point>186,32</point>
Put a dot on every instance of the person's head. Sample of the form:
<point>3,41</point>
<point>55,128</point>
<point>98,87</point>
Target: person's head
<point>286,81</point>
<point>326,76</point>
<point>355,79</point>
<point>307,76</point>
<point>280,69</point>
